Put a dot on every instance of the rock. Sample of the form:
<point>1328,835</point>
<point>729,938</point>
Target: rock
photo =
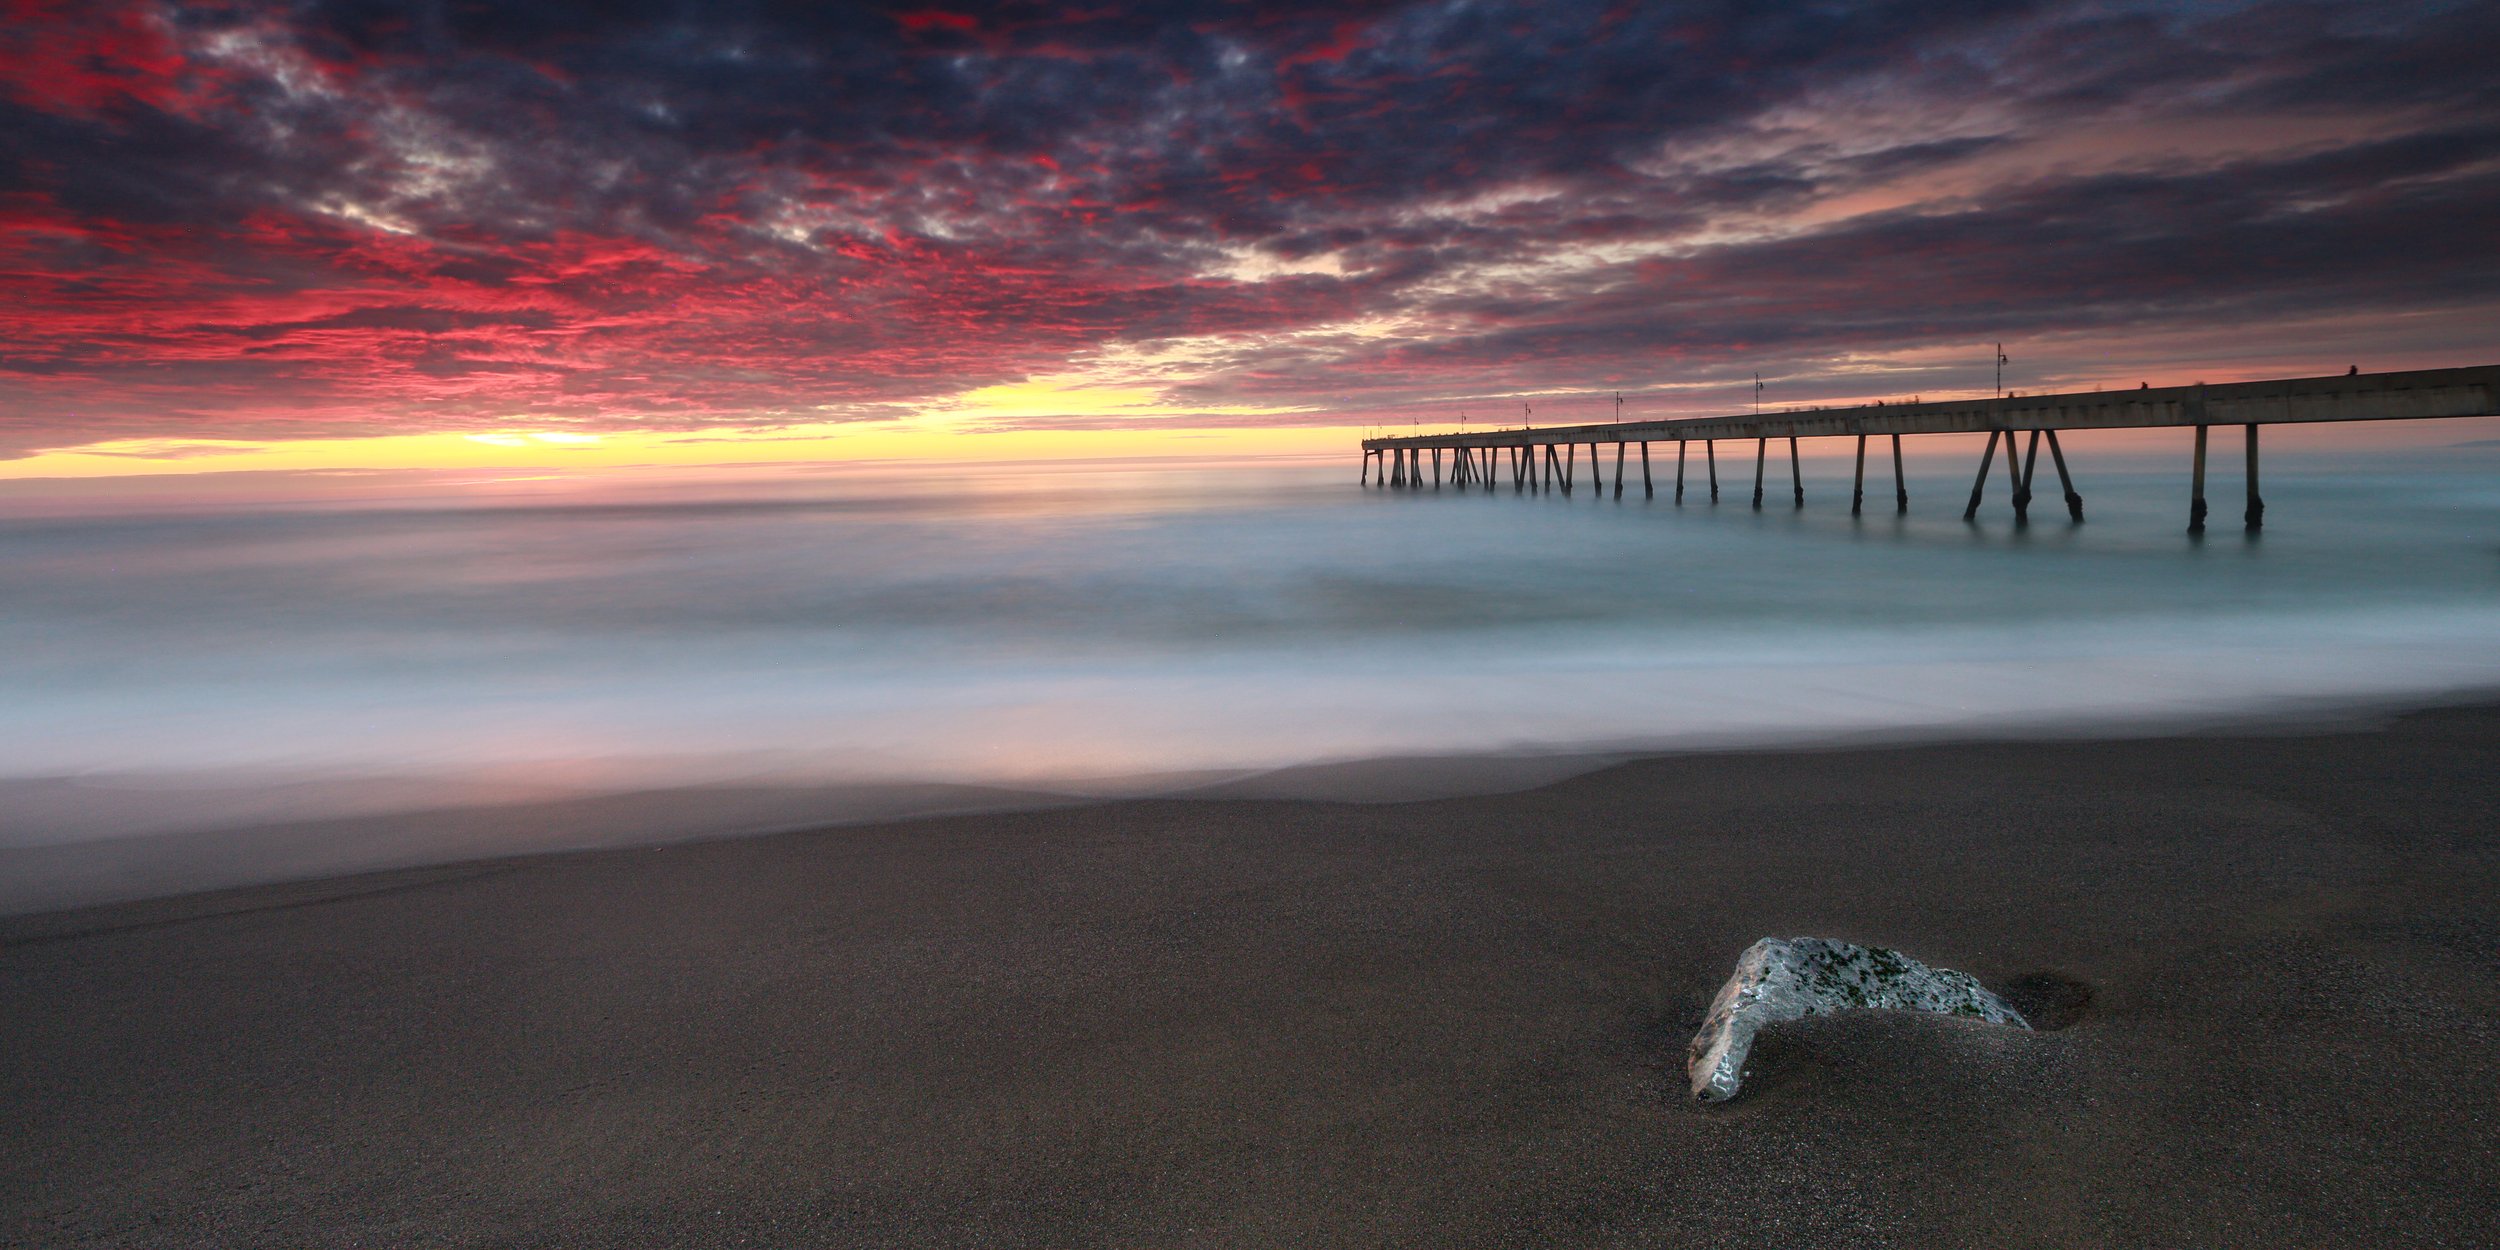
<point>1790,978</point>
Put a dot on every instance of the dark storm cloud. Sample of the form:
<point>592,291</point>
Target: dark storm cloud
<point>259,218</point>
<point>2378,225</point>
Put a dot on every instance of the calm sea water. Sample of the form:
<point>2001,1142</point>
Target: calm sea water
<point>1079,626</point>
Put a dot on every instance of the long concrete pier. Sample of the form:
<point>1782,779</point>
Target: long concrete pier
<point>1543,459</point>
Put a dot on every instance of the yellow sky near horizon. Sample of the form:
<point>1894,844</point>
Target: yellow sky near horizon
<point>1011,422</point>
<point>565,451</point>
<point>528,447</point>
<point>986,423</point>
<point>1017,421</point>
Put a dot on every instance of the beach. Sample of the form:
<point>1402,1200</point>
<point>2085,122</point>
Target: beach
<point>1254,1022</point>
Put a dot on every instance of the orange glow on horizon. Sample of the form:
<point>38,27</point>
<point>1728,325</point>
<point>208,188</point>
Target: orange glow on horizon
<point>523,447</point>
<point>573,452</point>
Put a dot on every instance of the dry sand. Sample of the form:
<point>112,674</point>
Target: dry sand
<point>1251,1023</point>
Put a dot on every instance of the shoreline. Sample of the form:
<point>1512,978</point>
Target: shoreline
<point>402,831</point>
<point>1257,1022</point>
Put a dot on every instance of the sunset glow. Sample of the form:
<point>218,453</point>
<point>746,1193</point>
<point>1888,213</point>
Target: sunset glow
<point>247,235</point>
<point>564,449</point>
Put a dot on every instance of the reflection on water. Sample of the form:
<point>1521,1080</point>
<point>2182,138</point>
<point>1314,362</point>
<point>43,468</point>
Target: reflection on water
<point>1046,625</point>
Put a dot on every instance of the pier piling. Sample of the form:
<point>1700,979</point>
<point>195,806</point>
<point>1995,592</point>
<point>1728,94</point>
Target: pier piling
<point>2196,487</point>
<point>1679,473</point>
<point>1857,482</point>
<point>2014,474</point>
<point>2074,502</point>
<point>1979,485</point>
<point>1645,457</point>
<point>1761,454</point>
<point>1900,490</point>
<point>1647,491</point>
<point>1796,473</point>
<point>1710,452</point>
<point>2255,516</point>
<point>2022,481</point>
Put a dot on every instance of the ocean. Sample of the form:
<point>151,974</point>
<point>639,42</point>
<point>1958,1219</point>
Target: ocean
<point>880,639</point>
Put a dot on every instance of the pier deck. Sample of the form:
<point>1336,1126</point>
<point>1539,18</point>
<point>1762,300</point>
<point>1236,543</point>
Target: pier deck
<point>1477,456</point>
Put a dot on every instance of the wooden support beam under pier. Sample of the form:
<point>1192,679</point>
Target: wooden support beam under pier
<point>2255,516</point>
<point>2074,502</point>
<point>1900,488</point>
<point>1857,481</point>
<point>1979,485</point>
<point>2196,487</point>
<point>2022,483</point>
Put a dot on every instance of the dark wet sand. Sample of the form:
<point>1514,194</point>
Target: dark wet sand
<point>1455,1023</point>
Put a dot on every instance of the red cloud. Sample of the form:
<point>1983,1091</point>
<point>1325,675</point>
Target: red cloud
<point>74,56</point>
<point>349,228</point>
<point>936,19</point>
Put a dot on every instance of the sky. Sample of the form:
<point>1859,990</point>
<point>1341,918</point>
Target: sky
<point>325,235</point>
